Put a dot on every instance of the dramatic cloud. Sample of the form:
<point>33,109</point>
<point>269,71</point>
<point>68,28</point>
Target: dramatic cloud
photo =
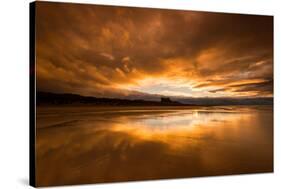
<point>135,52</point>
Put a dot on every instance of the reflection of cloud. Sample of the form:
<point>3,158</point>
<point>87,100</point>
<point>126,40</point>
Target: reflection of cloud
<point>100,50</point>
<point>186,127</point>
<point>138,144</point>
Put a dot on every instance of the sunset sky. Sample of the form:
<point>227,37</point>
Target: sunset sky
<point>108,51</point>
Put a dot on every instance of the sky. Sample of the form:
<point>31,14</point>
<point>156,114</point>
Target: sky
<point>122,52</point>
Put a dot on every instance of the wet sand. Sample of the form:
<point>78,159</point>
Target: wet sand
<point>77,145</point>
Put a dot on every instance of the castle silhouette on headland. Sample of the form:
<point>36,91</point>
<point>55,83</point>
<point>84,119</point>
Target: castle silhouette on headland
<point>48,98</point>
<point>57,99</point>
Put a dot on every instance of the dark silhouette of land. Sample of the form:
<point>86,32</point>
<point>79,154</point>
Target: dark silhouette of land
<point>54,98</point>
<point>46,98</point>
<point>227,101</point>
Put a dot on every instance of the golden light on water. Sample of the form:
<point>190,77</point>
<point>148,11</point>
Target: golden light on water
<point>184,128</point>
<point>150,143</point>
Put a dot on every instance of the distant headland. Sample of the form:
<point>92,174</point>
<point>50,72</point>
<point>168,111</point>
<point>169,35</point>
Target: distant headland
<point>47,98</point>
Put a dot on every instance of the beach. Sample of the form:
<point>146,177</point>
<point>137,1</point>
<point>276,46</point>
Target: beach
<point>86,144</point>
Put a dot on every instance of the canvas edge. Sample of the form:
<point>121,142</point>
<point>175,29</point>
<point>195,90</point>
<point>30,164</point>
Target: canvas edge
<point>32,175</point>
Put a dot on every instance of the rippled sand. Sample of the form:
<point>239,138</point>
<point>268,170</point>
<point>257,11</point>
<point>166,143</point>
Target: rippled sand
<point>78,145</point>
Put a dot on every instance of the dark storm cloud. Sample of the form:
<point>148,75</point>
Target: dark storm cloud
<point>99,50</point>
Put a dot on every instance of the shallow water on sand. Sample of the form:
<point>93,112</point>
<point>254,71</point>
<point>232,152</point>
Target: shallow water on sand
<point>78,145</point>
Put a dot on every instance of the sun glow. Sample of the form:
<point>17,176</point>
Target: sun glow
<point>177,87</point>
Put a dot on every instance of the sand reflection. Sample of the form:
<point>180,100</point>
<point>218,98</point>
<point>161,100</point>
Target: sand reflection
<point>90,145</point>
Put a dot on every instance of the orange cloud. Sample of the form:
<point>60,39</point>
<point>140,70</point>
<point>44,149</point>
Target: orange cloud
<point>110,51</point>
